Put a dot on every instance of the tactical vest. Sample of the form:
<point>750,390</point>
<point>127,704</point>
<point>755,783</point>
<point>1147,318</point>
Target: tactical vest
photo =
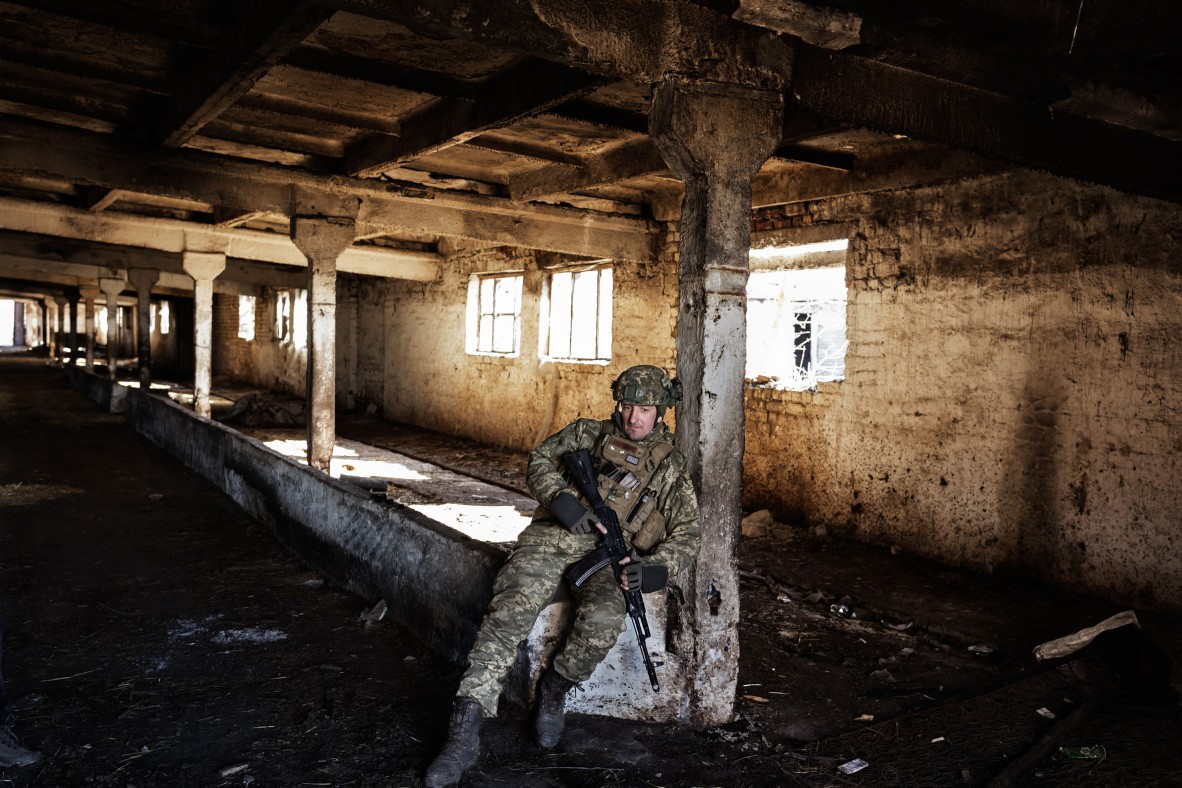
<point>626,469</point>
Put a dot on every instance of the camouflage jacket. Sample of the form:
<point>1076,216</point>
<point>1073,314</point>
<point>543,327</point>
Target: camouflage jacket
<point>676,499</point>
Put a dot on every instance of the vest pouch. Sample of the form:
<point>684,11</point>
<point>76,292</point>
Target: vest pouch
<point>651,531</point>
<point>634,519</point>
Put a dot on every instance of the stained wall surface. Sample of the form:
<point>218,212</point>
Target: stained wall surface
<point>1011,390</point>
<point>414,334</point>
<point>271,360</point>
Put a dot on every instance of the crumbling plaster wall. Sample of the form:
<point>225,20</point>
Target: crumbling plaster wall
<point>514,402</point>
<point>266,361</point>
<point>1012,385</point>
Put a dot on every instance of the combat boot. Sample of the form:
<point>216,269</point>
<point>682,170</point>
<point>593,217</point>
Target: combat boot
<point>551,705</point>
<point>462,748</point>
<point>12,753</point>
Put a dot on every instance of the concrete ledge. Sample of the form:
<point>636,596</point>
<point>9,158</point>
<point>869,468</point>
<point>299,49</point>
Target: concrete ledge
<point>436,582</point>
<point>109,395</point>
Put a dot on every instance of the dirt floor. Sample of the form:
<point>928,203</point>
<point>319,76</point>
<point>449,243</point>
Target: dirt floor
<point>157,636</point>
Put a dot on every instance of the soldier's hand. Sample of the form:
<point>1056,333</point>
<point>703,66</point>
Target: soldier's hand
<point>576,517</point>
<point>643,577</point>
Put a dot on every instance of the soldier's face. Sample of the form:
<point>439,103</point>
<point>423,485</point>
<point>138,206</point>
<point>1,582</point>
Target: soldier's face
<point>639,420</point>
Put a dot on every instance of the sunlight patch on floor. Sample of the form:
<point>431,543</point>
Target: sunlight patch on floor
<point>474,508</point>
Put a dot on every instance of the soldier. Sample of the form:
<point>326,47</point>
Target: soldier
<point>643,479</point>
<point>11,751</point>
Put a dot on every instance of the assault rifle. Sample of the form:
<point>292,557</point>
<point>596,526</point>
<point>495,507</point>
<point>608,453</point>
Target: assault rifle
<point>611,551</point>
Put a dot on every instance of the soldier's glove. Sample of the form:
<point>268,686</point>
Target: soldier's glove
<point>645,577</point>
<point>576,517</point>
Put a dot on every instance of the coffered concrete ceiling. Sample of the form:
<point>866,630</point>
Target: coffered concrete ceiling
<point>503,122</point>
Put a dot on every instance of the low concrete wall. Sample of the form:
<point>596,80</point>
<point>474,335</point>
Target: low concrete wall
<point>437,582</point>
<point>109,396</point>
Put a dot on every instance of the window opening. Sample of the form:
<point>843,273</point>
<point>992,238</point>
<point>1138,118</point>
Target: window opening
<point>7,322</point>
<point>283,316</point>
<point>246,305</point>
<point>494,314</point>
<point>796,317</point>
<point>100,327</point>
<point>299,319</point>
<point>578,315</point>
<point>165,313</point>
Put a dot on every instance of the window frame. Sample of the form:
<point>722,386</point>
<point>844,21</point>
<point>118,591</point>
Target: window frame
<point>489,316</point>
<point>560,307</point>
<point>825,342</point>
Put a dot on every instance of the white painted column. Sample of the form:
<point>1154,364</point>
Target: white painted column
<point>143,280</point>
<point>715,137</point>
<point>59,327</point>
<point>204,267</point>
<point>112,287</point>
<point>322,228</point>
<point>74,334</point>
<point>89,294</point>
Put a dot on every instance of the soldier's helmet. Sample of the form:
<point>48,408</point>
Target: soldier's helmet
<point>645,384</point>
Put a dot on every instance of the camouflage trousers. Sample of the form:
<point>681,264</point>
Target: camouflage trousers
<point>525,585</point>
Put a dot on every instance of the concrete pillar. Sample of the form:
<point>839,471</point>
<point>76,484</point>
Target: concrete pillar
<point>59,327</point>
<point>112,287</point>
<point>322,229</point>
<point>89,294</point>
<point>714,137</point>
<point>73,298</point>
<point>143,280</point>
<point>204,267</point>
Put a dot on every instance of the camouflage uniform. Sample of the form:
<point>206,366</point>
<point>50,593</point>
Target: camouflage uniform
<point>531,576</point>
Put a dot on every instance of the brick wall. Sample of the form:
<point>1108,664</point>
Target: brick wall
<point>232,353</point>
<point>265,361</point>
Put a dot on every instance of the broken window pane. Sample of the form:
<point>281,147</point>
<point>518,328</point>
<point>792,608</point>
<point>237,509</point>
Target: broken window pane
<point>796,322</point>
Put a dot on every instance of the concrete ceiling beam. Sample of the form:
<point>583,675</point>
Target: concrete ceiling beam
<point>524,89</point>
<point>81,157</point>
<point>643,40</point>
<point>41,275</point>
<point>257,35</point>
<point>380,72</point>
<point>84,259</point>
<point>170,235</point>
<point>630,160</point>
<point>895,100</point>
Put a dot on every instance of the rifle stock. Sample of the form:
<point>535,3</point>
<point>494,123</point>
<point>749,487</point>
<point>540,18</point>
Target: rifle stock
<point>611,551</point>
